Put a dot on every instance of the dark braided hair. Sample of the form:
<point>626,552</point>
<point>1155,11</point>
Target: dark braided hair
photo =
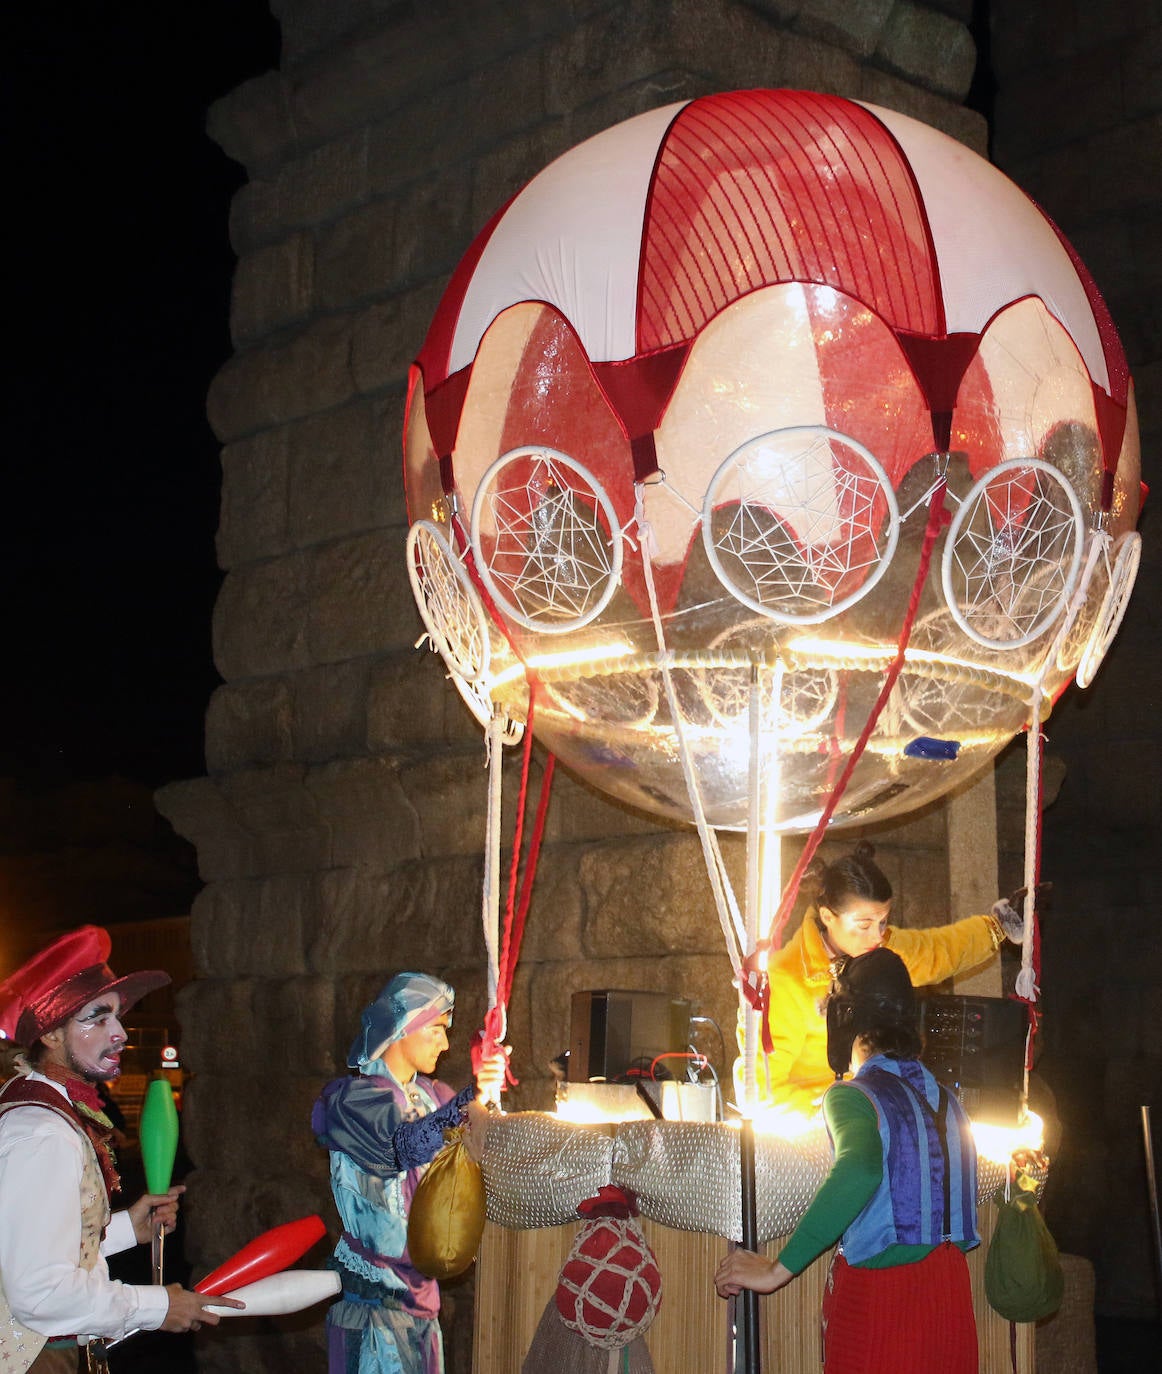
<point>857,876</point>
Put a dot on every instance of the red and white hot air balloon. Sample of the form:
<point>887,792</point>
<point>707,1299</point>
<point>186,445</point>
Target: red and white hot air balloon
<point>678,429</point>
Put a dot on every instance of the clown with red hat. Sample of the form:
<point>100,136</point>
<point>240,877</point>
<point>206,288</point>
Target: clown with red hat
<point>64,1008</point>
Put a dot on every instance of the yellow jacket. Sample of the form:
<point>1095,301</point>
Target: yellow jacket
<point>796,1074</point>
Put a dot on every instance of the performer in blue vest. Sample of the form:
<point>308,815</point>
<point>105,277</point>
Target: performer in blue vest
<point>900,1197</point>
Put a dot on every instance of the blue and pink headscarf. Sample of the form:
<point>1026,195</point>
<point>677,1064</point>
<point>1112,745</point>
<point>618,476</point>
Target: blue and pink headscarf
<point>409,1002</point>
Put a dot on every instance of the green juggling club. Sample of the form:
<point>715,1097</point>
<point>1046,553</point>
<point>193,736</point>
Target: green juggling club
<point>159,1143</point>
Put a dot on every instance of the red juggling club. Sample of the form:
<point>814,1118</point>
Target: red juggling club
<point>267,1253</point>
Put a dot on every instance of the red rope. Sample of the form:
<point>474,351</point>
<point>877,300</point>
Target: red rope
<point>754,985</point>
<point>487,1041</point>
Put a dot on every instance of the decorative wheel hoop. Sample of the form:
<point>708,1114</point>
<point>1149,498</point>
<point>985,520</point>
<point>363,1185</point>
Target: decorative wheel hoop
<point>500,589</point>
<point>449,604</point>
<point>877,570</point>
<point>968,508</point>
<point>1123,575</point>
<point>1079,631</point>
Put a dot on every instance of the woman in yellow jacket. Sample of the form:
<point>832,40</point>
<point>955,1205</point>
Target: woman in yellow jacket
<point>851,903</point>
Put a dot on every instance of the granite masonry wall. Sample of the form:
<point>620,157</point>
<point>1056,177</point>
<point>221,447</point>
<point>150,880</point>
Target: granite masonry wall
<point>1078,124</point>
<point>339,827</point>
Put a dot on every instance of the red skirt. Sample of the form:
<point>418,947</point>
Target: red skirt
<point>910,1319</point>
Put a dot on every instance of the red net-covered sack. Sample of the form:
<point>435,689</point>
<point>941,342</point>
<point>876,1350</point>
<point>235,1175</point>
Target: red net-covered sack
<point>609,1287</point>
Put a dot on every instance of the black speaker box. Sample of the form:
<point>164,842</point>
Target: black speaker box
<point>613,1032</point>
<point>976,1046</point>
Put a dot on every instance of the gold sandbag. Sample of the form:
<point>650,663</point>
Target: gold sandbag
<point>446,1220</point>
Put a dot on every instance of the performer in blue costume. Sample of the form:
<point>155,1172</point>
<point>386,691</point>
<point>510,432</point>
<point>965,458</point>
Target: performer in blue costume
<point>382,1127</point>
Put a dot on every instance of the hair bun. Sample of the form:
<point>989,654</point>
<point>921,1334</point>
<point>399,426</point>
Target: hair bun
<point>864,851</point>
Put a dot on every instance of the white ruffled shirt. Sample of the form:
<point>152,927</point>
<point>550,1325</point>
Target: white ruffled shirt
<point>41,1163</point>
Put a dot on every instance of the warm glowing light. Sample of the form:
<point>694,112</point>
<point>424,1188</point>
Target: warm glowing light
<point>564,658</point>
<point>784,1123</point>
<point>585,1113</point>
<point>998,1143</point>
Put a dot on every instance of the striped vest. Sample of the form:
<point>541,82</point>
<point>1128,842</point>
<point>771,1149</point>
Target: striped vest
<point>908,1207</point>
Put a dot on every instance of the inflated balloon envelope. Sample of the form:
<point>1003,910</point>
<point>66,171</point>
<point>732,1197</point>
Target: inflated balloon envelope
<point>266,1254</point>
<point>292,1290</point>
<point>688,402</point>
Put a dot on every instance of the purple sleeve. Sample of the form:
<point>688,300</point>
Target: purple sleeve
<point>417,1142</point>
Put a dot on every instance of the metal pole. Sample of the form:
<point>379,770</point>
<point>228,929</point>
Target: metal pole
<point>1152,1185</point>
<point>747,1356</point>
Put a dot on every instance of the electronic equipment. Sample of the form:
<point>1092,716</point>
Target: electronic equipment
<point>613,1033</point>
<point>976,1046</point>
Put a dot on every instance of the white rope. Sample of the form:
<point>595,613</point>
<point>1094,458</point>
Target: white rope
<point>753,847</point>
<point>725,903</point>
<point>490,913</point>
<point>1026,985</point>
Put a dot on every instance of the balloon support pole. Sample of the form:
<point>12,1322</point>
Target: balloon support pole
<point>747,1358</point>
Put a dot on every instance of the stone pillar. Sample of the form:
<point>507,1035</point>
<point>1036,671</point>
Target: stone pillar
<point>340,825</point>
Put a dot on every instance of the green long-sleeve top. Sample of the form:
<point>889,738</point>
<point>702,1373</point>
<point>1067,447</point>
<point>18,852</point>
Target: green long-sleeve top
<point>849,1186</point>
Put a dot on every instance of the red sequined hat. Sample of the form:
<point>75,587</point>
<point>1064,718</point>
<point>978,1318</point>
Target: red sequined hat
<point>56,983</point>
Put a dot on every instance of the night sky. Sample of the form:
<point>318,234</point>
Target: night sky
<point>119,279</point>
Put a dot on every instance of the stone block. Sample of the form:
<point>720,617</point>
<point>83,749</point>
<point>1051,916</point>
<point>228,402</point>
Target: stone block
<point>338,478</point>
<point>273,288</point>
<point>262,619</point>
<point>578,811</point>
<point>273,384</point>
<point>254,124</point>
<point>407,701</point>
<point>387,336</point>
<point>450,796</point>
<point>271,798</point>
<point>307,28</point>
<point>357,256</point>
<point>255,926</point>
<point>893,93</point>
<point>502,169</point>
<point>421,913</point>
<point>249,723</point>
<point>227,1207</point>
<point>199,812</point>
<point>486,109</point>
<point>555,922</point>
<point>648,897</point>
<point>366,812</point>
<point>304,192</point>
<point>929,48</point>
<point>252,522</point>
<point>262,1118</point>
<point>854,25</point>
<point>366,75</point>
<point>361,601</point>
<point>329,713</point>
<point>433,225</point>
<point>280,1024</point>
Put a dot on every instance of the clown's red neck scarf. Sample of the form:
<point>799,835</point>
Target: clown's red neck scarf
<point>90,1112</point>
